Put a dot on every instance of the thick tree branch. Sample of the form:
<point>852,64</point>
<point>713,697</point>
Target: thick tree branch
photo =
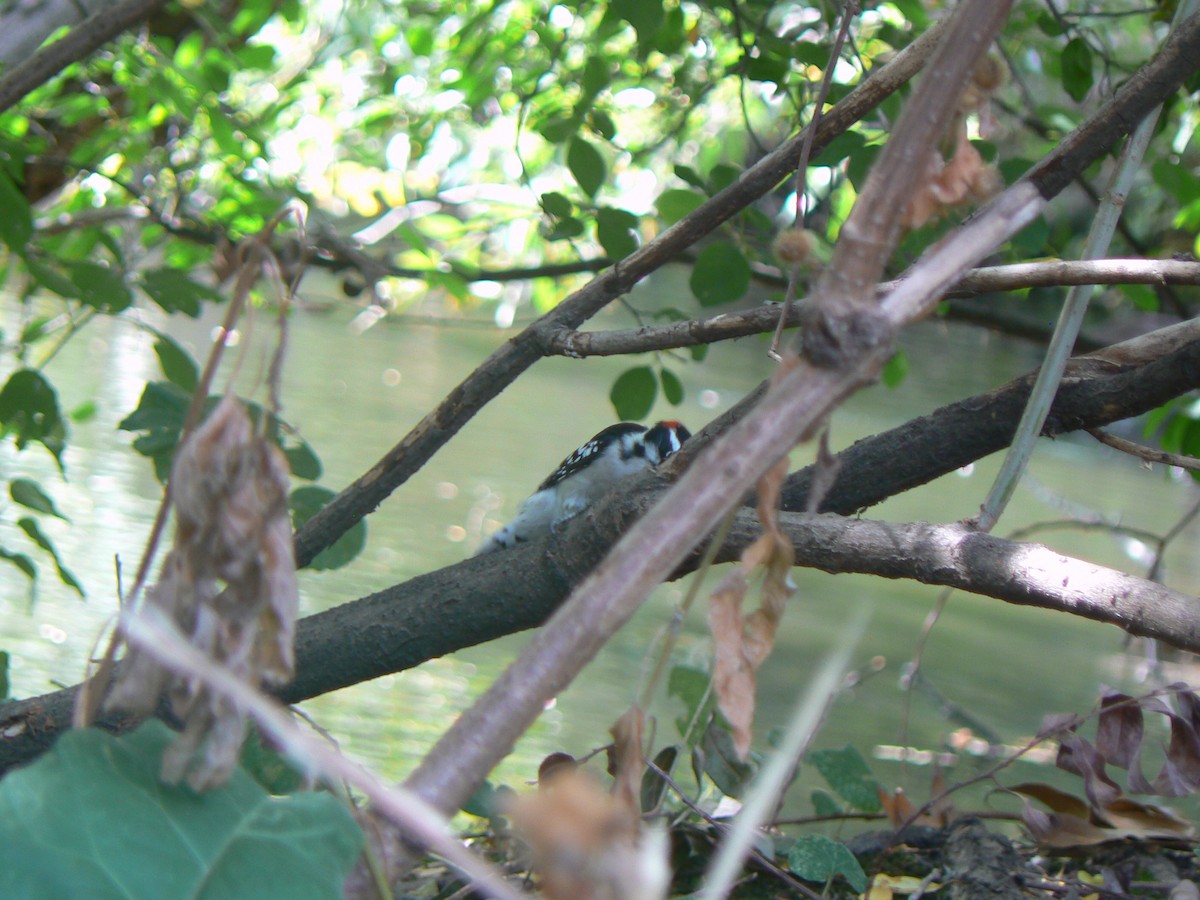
<point>479,600</point>
<point>1025,574</point>
<point>761,319</point>
<point>79,42</point>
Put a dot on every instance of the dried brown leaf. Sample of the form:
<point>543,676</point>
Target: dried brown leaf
<point>1119,729</point>
<point>733,672</point>
<point>228,582</point>
<point>628,760</point>
<point>1078,756</point>
<point>742,643</point>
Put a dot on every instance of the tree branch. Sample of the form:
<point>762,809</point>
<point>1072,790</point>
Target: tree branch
<point>481,599</point>
<point>82,40</point>
<point>727,326</point>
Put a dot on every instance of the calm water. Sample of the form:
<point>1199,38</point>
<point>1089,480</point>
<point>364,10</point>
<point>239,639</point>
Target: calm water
<point>354,395</point>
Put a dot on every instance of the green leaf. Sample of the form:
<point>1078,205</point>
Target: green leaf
<point>5,686</point>
<point>16,224</point>
<point>847,773</point>
<point>690,175</point>
<point>646,16</point>
<point>602,123</point>
<point>29,494</point>
<point>29,410</point>
<point>269,767</point>
<point>570,227</point>
<point>235,841</point>
<point>676,203</point>
<point>721,274</point>
<point>634,392</point>
<point>172,290</point>
<point>51,278</point>
<point>721,763</point>
<point>557,205</point>
<point>691,685</point>
<point>1076,64</point>
<point>303,460</point>
<point>615,230</point>
<point>815,857</point>
<point>841,147</point>
<point>672,387</point>
<point>30,527</point>
<point>1142,296</point>
<point>654,786</point>
<point>586,165</point>
<point>895,369</point>
<point>99,286</point>
<point>176,363</point>
<point>824,804</point>
<point>26,565</point>
<point>305,502</point>
<point>595,76</point>
<point>160,413</point>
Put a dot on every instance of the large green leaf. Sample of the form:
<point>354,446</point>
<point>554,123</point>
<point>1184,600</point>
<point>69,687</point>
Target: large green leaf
<point>29,411</point>
<point>176,363</point>
<point>16,224</point>
<point>1076,64</point>
<point>634,392</point>
<point>35,534</point>
<point>99,286</point>
<point>90,819</point>
<point>175,292</point>
<point>616,230</point>
<point>721,274</point>
<point>160,413</point>
<point>815,857</point>
<point>586,165</point>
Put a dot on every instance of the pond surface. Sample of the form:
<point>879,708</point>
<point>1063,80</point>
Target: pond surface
<point>986,665</point>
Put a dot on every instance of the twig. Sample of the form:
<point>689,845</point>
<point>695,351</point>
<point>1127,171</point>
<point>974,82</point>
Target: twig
<point>155,635</point>
<point>729,326</point>
<point>1149,454</point>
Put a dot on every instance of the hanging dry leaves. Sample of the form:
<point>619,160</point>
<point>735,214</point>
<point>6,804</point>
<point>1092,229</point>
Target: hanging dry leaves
<point>964,180</point>
<point>742,643</point>
<point>229,583</point>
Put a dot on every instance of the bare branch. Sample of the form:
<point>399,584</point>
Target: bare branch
<point>1149,454</point>
<point>1025,574</point>
<point>727,326</point>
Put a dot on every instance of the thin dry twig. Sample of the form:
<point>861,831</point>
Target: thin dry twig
<point>1149,454</point>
